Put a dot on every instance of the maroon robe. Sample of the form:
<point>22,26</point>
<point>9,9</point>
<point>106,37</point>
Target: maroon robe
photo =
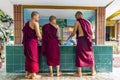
<point>84,52</point>
<point>50,45</point>
<point>30,44</point>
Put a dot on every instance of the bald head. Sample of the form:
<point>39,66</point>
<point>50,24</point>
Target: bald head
<point>35,16</point>
<point>78,14</point>
<point>52,19</point>
<point>34,13</point>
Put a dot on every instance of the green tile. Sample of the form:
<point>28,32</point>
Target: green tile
<point>62,57</point>
<point>107,59</point>
<point>97,58</point>
<point>106,68</point>
<point>9,52</point>
<point>86,69</point>
<point>9,68</point>
<point>63,66</point>
<point>98,67</point>
<point>9,59</point>
<point>17,59</point>
<point>17,68</point>
<point>9,48</point>
<point>70,57</point>
<point>68,61</point>
<point>103,59</point>
<point>23,59</point>
<point>62,61</point>
<point>70,66</point>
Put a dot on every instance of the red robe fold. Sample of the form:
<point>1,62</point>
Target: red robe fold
<point>84,52</point>
<point>50,45</point>
<point>30,44</point>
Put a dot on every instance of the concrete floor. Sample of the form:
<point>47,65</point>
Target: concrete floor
<point>115,75</point>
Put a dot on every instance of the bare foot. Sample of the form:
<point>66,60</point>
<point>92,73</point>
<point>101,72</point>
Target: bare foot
<point>36,77</point>
<point>77,75</point>
<point>93,73</point>
<point>50,75</point>
<point>27,75</point>
<point>59,74</point>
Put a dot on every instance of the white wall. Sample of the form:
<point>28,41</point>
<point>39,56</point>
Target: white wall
<point>7,7</point>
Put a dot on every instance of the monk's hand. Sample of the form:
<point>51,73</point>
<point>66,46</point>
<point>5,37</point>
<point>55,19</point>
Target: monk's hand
<point>40,39</point>
<point>57,27</point>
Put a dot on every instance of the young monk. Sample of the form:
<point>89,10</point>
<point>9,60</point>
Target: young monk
<point>31,35</point>
<point>50,45</point>
<point>84,51</point>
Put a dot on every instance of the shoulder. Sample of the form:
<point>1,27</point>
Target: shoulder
<point>36,23</point>
<point>77,23</point>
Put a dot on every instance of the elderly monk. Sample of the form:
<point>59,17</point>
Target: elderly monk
<point>84,51</point>
<point>31,35</point>
<point>50,45</point>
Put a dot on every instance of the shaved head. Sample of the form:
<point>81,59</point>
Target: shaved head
<point>78,14</point>
<point>35,16</point>
<point>52,18</point>
<point>34,13</point>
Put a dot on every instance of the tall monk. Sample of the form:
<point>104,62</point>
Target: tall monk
<point>50,45</point>
<point>84,51</point>
<point>31,35</point>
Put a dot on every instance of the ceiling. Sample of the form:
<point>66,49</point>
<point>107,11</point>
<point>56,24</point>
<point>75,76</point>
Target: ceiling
<point>63,2</point>
<point>116,18</point>
<point>113,11</point>
<point>113,8</point>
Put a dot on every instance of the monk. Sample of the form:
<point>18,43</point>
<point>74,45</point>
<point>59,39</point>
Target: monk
<point>31,35</point>
<point>50,45</point>
<point>84,51</point>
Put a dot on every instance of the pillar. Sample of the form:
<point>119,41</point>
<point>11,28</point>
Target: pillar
<point>118,35</point>
<point>100,26</point>
<point>18,23</point>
